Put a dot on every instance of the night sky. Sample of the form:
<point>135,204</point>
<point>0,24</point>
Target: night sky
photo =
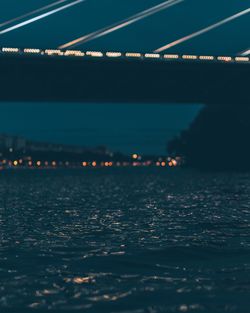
<point>128,128</point>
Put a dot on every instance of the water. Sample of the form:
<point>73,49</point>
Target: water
<point>124,241</point>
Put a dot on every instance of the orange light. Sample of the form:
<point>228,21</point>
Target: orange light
<point>170,164</point>
<point>94,164</point>
<point>174,162</point>
<point>38,163</point>
<point>84,163</point>
<point>110,163</point>
<point>135,156</point>
<point>106,163</point>
<point>163,163</point>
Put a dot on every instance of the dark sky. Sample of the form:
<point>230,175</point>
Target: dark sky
<point>129,128</point>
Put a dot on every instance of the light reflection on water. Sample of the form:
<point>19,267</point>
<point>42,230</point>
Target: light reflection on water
<point>139,240</point>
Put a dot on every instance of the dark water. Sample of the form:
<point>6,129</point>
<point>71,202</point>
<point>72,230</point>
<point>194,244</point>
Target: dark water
<point>124,241</point>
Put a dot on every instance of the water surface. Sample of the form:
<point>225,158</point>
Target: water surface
<point>115,240</point>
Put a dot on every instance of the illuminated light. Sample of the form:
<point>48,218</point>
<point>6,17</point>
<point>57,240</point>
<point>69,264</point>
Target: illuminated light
<point>113,54</point>
<point>152,55</point>
<point>15,163</point>
<point>81,280</point>
<point>224,58</point>
<point>242,59</point>
<point>158,163</point>
<point>96,54</point>
<point>38,163</point>
<point>170,164</point>
<point>10,149</point>
<point>174,162</point>
<point>30,163</point>
<point>203,31</point>
<point>121,24</point>
<point>133,55</point>
<point>106,163</point>
<point>75,53</point>
<point>20,161</point>
<point>34,51</point>
<point>206,57</point>
<point>245,53</point>
<point>53,163</point>
<point>163,164</point>
<point>11,50</point>
<point>94,164</point>
<point>84,164</point>
<point>171,56</point>
<point>53,52</point>
<point>110,163</point>
<point>39,17</point>
<point>135,156</point>
<point>190,57</point>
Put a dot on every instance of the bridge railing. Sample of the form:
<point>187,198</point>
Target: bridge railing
<point>123,55</point>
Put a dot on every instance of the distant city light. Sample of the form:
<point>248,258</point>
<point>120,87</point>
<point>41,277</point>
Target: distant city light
<point>15,163</point>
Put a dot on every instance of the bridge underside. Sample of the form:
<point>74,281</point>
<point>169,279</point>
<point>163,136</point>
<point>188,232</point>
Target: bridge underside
<point>28,78</point>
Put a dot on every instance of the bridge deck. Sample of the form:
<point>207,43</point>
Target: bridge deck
<point>55,75</point>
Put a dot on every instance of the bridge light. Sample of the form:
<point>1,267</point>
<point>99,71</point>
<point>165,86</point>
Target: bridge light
<point>15,163</point>
<point>171,56</point>
<point>54,52</point>
<point>152,55</point>
<point>133,55</point>
<point>84,164</point>
<point>96,54</point>
<point>74,53</point>
<point>31,50</point>
<point>10,50</point>
<point>242,59</point>
<point>189,57</point>
<point>38,163</point>
<point>94,164</point>
<point>113,54</point>
<point>206,57</point>
<point>224,58</point>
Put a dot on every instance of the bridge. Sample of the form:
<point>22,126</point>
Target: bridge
<point>31,74</point>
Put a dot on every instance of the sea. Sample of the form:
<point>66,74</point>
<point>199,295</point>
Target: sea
<point>137,240</point>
